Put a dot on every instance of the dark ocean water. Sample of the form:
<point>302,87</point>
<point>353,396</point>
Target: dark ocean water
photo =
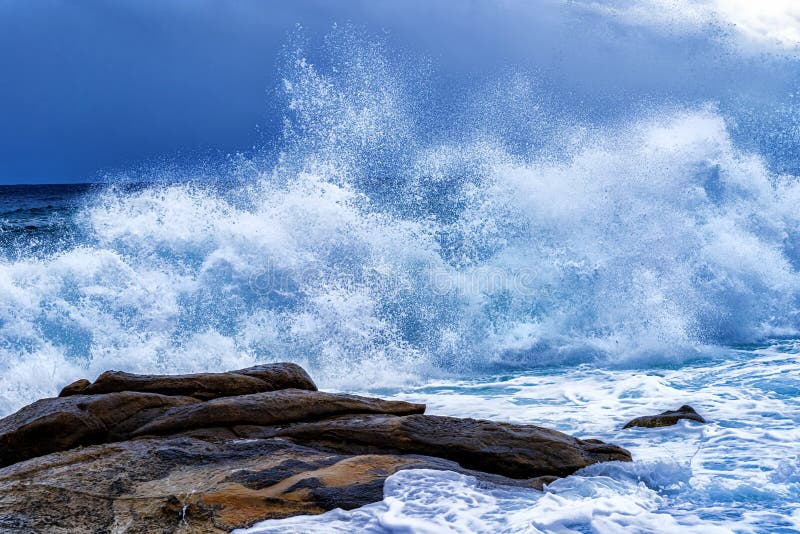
<point>40,218</point>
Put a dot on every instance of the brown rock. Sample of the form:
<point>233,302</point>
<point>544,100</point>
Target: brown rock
<point>268,377</point>
<point>284,375</point>
<point>667,418</point>
<point>272,408</point>
<point>515,451</point>
<point>72,463</point>
<point>76,388</point>
<point>50,425</point>
<point>184,485</point>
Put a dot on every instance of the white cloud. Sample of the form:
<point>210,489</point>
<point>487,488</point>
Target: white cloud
<point>776,21</point>
<point>752,23</point>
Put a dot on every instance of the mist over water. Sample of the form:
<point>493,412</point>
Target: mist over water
<point>398,233</point>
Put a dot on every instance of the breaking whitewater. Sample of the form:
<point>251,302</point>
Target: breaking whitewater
<point>505,260</point>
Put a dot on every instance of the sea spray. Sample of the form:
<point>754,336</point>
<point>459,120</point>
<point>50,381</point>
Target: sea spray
<point>375,251</point>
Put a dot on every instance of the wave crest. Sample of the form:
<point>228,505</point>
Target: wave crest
<point>374,250</point>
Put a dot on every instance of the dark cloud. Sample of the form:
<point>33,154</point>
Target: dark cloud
<point>95,86</point>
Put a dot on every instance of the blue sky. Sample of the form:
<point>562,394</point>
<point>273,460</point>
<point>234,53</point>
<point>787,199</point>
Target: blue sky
<point>95,87</point>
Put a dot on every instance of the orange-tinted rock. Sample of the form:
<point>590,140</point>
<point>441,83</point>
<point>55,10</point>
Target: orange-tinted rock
<point>184,485</point>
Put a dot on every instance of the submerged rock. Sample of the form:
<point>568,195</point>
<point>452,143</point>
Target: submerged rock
<point>216,451</point>
<point>668,418</point>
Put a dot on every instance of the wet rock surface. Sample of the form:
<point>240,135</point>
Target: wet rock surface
<point>515,451</point>
<point>218,451</point>
<point>668,418</point>
<point>272,408</point>
<point>52,425</point>
<point>190,485</point>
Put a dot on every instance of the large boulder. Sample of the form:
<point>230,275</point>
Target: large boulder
<point>268,377</point>
<point>515,451</point>
<point>668,418</point>
<point>218,451</point>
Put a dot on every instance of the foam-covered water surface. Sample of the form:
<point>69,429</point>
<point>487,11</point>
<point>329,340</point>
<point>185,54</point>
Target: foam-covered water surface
<point>738,473</point>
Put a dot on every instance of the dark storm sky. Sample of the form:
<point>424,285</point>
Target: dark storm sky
<point>93,87</point>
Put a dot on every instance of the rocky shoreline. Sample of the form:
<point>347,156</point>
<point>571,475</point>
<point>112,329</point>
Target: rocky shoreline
<point>217,451</point>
